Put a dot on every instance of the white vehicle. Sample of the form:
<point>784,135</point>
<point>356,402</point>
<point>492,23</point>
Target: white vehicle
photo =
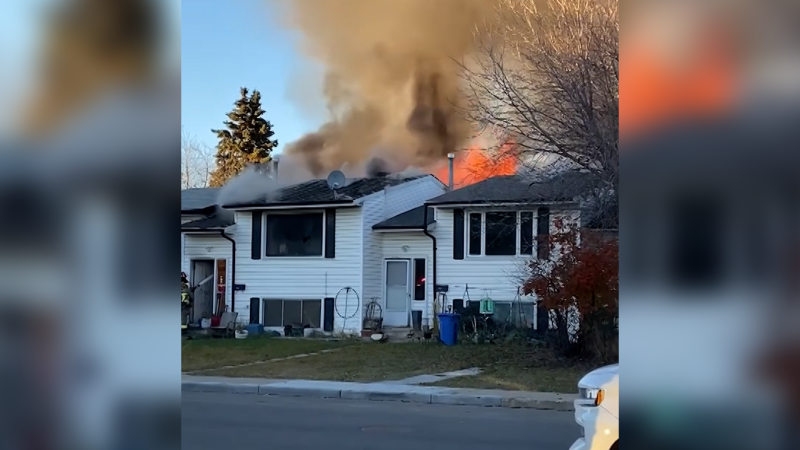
<point>597,410</point>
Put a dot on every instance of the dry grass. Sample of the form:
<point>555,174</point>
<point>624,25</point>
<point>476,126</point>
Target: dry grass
<point>508,366</point>
<point>543,379</point>
<point>200,354</point>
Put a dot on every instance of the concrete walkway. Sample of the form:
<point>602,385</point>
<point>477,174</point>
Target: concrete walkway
<point>430,379</point>
<point>380,391</point>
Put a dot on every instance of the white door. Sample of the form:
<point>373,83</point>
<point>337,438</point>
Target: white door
<point>397,294</point>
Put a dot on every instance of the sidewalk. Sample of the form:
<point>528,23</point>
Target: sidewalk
<point>380,391</point>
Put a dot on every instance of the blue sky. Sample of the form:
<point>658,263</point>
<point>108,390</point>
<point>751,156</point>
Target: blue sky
<point>224,45</point>
<point>233,43</point>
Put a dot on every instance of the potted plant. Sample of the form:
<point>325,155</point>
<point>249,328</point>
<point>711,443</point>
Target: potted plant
<point>240,332</point>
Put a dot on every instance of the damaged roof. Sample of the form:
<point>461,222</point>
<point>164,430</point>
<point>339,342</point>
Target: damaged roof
<point>317,192</point>
<point>411,219</point>
<point>517,189</point>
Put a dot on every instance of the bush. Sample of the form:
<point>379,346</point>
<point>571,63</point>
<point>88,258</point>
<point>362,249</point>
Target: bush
<point>580,289</point>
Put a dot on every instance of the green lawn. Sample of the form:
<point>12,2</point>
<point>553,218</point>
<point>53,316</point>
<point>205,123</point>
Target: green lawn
<point>200,354</point>
<point>506,366</point>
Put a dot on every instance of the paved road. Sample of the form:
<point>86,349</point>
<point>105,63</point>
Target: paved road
<point>229,421</point>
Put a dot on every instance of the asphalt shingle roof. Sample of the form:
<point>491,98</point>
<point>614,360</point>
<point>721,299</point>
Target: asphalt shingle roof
<point>198,199</point>
<point>411,219</point>
<point>318,192</point>
<point>516,189</point>
<point>219,220</point>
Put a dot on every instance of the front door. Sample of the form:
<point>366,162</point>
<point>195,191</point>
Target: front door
<point>397,294</point>
<point>203,281</point>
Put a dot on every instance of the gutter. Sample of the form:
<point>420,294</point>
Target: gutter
<point>433,241</point>
<point>233,269</point>
<point>462,204</point>
<point>303,205</point>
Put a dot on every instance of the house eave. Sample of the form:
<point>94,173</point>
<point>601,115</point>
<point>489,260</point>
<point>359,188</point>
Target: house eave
<point>431,227</point>
<point>448,205</point>
<point>214,230</point>
<point>274,206</point>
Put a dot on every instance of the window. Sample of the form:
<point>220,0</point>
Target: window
<point>501,233</point>
<point>279,313</point>
<point>295,234</point>
<point>526,233</point>
<point>419,279</point>
<point>475,233</point>
<point>543,233</point>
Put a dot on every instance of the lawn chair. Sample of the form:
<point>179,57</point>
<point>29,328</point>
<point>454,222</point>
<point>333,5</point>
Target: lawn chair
<point>227,324</point>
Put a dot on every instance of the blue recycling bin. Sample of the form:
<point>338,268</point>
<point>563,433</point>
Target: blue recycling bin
<point>448,328</point>
<point>255,329</point>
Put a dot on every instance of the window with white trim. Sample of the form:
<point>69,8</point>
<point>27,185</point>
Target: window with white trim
<point>500,233</point>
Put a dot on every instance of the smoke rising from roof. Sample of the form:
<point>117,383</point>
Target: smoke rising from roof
<point>390,79</point>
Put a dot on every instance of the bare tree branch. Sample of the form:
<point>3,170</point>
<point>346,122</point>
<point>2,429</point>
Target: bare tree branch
<point>197,163</point>
<point>549,78</point>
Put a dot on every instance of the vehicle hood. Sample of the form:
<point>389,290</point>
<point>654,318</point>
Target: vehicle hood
<point>600,377</point>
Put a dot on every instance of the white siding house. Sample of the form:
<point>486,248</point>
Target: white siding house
<point>328,287</point>
<point>473,258</point>
<point>205,253</point>
<point>314,258</point>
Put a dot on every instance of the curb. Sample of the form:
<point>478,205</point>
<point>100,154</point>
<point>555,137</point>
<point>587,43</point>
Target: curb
<point>435,398</point>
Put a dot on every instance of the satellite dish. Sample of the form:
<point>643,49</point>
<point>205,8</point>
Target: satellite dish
<point>336,179</point>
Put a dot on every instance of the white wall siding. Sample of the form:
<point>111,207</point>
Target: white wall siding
<point>384,205</point>
<point>374,211</point>
<point>407,196</point>
<point>207,246</point>
<point>474,277</point>
<point>495,276</point>
<point>183,252</point>
<point>418,245</point>
<point>304,278</point>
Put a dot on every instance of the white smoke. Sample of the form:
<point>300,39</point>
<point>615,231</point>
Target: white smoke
<point>248,186</point>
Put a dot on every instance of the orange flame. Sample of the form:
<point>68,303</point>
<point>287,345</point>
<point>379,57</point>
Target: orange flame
<point>474,164</point>
<point>657,90</point>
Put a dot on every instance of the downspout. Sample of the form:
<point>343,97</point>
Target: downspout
<point>433,242</point>
<point>233,269</point>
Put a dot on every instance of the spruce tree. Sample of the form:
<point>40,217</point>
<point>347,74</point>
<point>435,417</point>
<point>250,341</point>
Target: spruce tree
<point>244,141</point>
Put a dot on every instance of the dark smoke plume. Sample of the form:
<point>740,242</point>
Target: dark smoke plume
<point>390,79</point>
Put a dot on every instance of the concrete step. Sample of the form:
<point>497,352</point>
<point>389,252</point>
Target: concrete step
<point>397,330</point>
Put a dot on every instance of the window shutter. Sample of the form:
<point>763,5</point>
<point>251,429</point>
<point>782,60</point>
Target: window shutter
<point>458,234</point>
<point>255,236</point>
<point>543,233</point>
<point>330,233</point>
<point>255,304</point>
<point>328,311</point>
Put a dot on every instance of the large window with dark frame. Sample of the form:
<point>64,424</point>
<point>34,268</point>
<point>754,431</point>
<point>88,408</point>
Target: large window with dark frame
<point>295,234</point>
<point>301,313</point>
<point>501,233</point>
